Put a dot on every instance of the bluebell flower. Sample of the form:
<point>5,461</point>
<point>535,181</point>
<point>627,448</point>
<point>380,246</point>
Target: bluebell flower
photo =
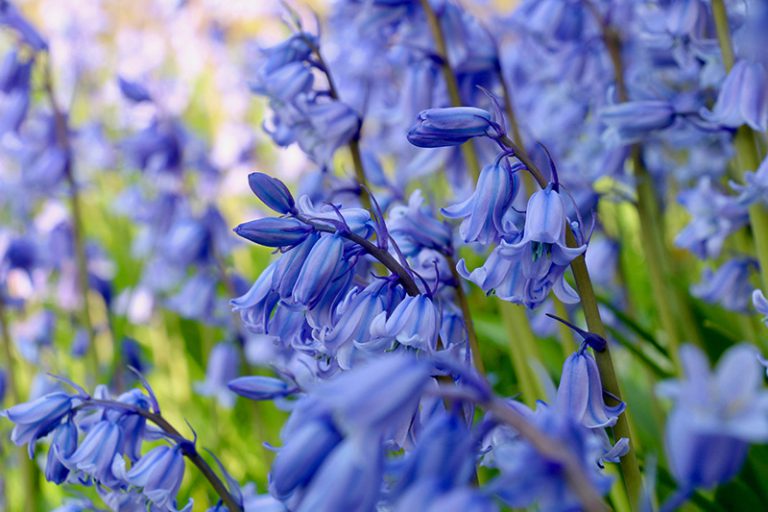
<point>256,305</point>
<point>714,217</point>
<point>393,382</point>
<point>527,478</point>
<point>284,83</point>
<point>34,334</point>
<point>196,299</point>
<point>302,455</point>
<point>275,232</point>
<point>12,18</point>
<point>352,325</point>
<point>444,455</point>
<point>133,90</point>
<point>272,192</point>
<point>159,473</point>
<point>63,445</point>
<point>296,48</point>
<point>95,454</point>
<point>527,269</point>
<point>349,479</point>
<point>132,425</point>
<point>580,393</point>
<point>258,387</point>
<point>743,98</point>
<point>755,187</point>
<point>452,126</point>
<point>728,286</point>
<point>556,20</point>
<point>632,121</point>
<point>38,418</point>
<point>415,227</point>
<point>543,242</point>
<point>483,212</point>
<point>761,304</point>
<point>415,322</point>
<point>326,127</point>
<point>715,416</point>
<point>223,367</point>
<point>322,265</point>
<point>3,384</point>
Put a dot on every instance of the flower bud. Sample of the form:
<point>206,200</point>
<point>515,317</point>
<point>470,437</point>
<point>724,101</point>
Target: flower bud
<point>272,192</point>
<point>438,127</point>
<point>275,232</point>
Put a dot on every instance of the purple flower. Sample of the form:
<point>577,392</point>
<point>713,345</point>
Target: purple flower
<point>258,387</point>
<point>743,98</point>
<point>62,447</point>
<point>715,415</point>
<point>484,210</point>
<point>580,394</point>
<point>223,367</point>
<point>323,264</point>
<point>159,473</point>
<point>728,286</point>
<point>349,478</point>
<point>415,322</point>
<point>452,126</point>
<point>95,454</point>
<point>272,192</point>
<point>38,418</point>
<point>133,91</point>
<point>632,121</point>
<point>275,232</point>
<point>302,455</point>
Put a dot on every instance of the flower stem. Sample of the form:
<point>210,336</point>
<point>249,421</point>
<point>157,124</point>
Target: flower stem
<point>474,346</point>
<point>78,231</point>
<point>441,53</point>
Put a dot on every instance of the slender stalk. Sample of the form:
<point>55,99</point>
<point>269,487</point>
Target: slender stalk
<point>552,449</point>
<point>566,335</point>
<point>521,342</point>
<point>441,51</point>
<point>474,346</point>
<point>188,448</point>
<point>78,231</point>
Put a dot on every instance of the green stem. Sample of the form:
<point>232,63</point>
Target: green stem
<point>441,51</point>
<point>522,348</point>
<point>78,231</point>
<point>474,346</point>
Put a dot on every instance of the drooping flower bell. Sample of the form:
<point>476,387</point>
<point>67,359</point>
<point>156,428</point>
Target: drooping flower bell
<point>483,212</point>
<point>743,97</point>
<point>715,416</point>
